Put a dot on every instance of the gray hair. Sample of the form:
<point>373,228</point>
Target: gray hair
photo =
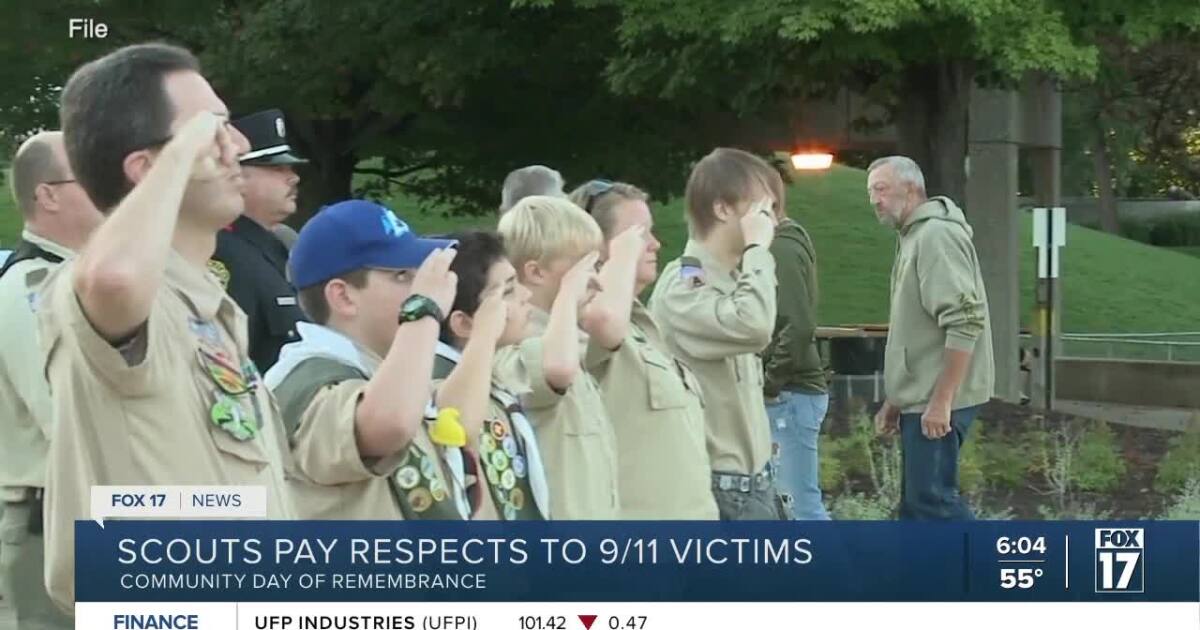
<point>34,164</point>
<point>536,180</point>
<point>904,169</point>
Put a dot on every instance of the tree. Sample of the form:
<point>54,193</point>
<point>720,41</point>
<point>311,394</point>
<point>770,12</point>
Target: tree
<point>1137,120</point>
<point>441,98</point>
<point>919,58</point>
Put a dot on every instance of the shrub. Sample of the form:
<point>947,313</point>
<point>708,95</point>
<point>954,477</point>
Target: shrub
<point>1181,463</point>
<point>1098,464</point>
<point>1186,506</point>
<point>1006,464</point>
<point>829,462</point>
<point>859,507</point>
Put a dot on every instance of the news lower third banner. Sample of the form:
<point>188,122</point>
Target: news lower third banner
<point>361,561</point>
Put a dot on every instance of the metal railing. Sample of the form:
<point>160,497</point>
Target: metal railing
<point>1172,347</point>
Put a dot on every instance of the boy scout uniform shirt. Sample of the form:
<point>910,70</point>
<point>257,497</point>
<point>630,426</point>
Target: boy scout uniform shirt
<point>657,412</point>
<point>25,408</point>
<point>333,479</point>
<point>578,446</point>
<point>717,320</point>
<point>186,409</point>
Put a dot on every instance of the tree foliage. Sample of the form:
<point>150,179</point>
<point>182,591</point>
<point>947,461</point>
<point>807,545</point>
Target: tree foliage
<point>447,97</point>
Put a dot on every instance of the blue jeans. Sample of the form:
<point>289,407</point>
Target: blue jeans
<point>796,425</point>
<point>930,480</point>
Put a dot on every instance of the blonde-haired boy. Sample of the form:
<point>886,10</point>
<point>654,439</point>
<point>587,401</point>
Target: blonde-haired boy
<point>554,246</point>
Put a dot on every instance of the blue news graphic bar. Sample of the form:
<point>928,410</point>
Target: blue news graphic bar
<point>332,561</point>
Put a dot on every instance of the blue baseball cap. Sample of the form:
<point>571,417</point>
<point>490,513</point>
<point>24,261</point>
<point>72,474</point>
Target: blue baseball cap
<point>356,234</point>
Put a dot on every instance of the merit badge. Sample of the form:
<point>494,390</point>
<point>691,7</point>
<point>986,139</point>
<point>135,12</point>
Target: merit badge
<point>420,500</point>
<point>499,460</point>
<point>408,477</point>
<point>517,498</point>
<point>225,374</point>
<point>499,430</point>
<point>228,414</point>
<point>510,446</point>
<point>493,477</point>
<point>510,513</point>
<point>487,443</point>
<point>438,490</point>
<point>205,331</point>
<point>508,480</point>
<point>218,269</point>
<point>518,466</point>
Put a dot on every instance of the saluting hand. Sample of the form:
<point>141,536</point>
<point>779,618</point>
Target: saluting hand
<point>435,281</point>
<point>758,224</point>
<point>491,317</point>
<point>580,281</point>
<point>205,140</point>
<point>628,244</point>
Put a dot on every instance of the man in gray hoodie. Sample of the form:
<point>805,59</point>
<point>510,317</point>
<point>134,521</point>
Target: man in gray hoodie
<point>938,368</point>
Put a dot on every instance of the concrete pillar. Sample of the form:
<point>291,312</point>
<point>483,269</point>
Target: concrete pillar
<point>1041,103</point>
<point>991,208</point>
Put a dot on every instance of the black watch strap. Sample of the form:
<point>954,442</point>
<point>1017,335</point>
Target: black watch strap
<point>418,307</point>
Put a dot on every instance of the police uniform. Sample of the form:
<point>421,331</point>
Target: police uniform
<point>657,413</point>
<point>717,320</point>
<point>179,404</point>
<point>319,383</point>
<point>25,427</point>
<point>508,465</point>
<point>251,261</point>
<point>576,438</point>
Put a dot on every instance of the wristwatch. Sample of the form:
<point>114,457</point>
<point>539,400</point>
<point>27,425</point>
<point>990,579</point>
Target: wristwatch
<point>418,307</point>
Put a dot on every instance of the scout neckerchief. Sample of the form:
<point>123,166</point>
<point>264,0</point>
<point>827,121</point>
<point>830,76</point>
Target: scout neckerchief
<point>531,465</point>
<point>415,482</point>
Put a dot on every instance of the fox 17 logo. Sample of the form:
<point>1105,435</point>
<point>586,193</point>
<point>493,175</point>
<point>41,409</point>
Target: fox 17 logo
<point>1120,560</point>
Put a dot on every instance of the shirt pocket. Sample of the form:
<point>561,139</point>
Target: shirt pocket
<point>665,382</point>
<point>282,317</point>
<point>251,450</point>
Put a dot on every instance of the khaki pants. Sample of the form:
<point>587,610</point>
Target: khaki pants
<point>25,604</point>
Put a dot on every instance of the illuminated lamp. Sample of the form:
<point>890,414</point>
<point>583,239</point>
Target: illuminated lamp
<point>811,161</point>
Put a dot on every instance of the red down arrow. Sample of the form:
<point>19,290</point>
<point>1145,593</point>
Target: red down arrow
<point>587,621</point>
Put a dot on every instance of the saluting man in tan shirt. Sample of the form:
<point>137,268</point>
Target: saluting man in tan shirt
<point>717,305</point>
<point>58,216</point>
<point>146,355</point>
<point>653,399</point>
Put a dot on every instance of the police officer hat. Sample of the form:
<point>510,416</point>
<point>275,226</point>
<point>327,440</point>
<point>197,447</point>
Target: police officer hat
<point>268,139</point>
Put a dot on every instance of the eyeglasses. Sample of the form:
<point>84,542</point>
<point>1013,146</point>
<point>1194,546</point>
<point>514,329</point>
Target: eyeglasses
<point>58,182</point>
<point>593,190</point>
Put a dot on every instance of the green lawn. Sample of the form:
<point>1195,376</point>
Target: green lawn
<point>1110,284</point>
<point>1190,251</point>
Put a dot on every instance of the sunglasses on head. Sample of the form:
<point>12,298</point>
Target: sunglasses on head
<point>593,190</point>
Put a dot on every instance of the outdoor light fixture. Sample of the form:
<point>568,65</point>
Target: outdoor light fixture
<point>811,161</point>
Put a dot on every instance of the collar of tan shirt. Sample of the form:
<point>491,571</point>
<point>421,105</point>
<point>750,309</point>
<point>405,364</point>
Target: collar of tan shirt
<point>47,244</point>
